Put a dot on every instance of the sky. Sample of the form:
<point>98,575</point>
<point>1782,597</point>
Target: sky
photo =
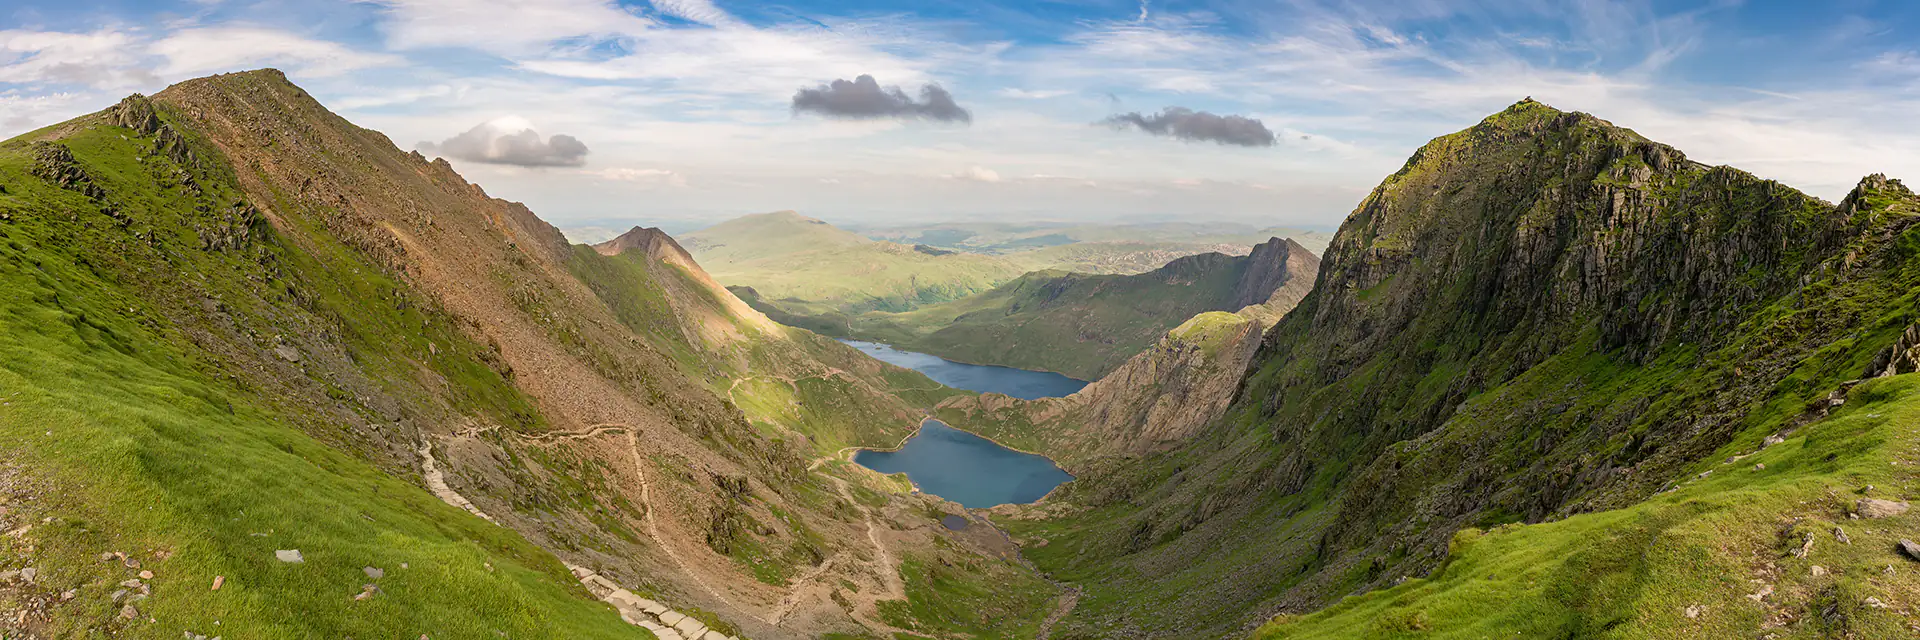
<point>880,112</point>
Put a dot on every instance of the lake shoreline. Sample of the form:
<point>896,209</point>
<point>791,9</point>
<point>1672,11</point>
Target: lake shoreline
<point>1014,382</point>
<point>920,427</point>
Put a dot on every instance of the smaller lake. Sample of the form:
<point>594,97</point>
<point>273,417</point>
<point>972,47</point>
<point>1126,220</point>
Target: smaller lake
<point>966,468</point>
<point>1019,383</point>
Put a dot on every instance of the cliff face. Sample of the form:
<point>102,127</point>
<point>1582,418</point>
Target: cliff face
<point>1538,316</point>
<point>1157,400</point>
<point>1278,274</point>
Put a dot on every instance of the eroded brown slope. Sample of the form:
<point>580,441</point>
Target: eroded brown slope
<point>637,461</point>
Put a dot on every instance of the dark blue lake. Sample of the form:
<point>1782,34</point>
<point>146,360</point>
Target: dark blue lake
<point>966,468</point>
<point>1019,383</point>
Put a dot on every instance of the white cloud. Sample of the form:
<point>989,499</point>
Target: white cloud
<point>198,51</point>
<point>978,174</point>
<point>22,113</point>
<point>642,176</point>
<point>701,11</point>
<point>105,58</point>
<point>1023,94</point>
<point>504,26</point>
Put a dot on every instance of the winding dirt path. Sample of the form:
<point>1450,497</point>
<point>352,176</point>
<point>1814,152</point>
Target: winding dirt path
<point>437,483</point>
<point>1061,608</point>
<point>885,566</point>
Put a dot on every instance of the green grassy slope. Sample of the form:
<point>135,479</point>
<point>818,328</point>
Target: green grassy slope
<point>791,384</point>
<point>786,256</point>
<point>1539,317</point>
<point>123,432</point>
<point>1687,563</point>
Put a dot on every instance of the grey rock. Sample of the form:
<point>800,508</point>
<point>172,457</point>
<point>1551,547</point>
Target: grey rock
<point>1877,508</point>
<point>1910,549</point>
<point>691,627</point>
<point>289,555</point>
<point>29,574</point>
<point>287,353</point>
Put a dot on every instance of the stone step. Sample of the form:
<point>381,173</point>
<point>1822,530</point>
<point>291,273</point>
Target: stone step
<point>691,627</point>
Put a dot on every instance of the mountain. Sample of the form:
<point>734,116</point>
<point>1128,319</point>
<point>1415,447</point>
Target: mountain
<point>806,264</point>
<point>1103,248</point>
<point>267,375</point>
<point>1084,325</point>
<point>1554,380</point>
<point>1156,401</point>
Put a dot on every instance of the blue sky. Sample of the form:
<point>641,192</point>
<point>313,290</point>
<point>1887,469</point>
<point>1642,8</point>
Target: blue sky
<point>685,106</point>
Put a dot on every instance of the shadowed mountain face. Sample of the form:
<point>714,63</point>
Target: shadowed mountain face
<point>1541,316</point>
<point>1086,326</point>
<point>290,335</point>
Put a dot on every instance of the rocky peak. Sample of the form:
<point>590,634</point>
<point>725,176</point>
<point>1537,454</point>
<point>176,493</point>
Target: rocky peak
<point>1270,266</point>
<point>656,244</point>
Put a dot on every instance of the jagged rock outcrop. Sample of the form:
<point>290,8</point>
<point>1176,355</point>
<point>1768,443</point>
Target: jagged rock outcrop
<point>1271,267</point>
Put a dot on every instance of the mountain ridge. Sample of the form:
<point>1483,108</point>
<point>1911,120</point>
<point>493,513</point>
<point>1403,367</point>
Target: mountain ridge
<point>339,326</point>
<point>1540,316</point>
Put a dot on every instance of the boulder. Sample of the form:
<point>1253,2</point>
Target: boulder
<point>1877,508</point>
<point>289,555</point>
<point>1911,550</point>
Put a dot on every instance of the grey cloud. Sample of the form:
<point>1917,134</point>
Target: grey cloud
<point>865,99</point>
<point>485,143</point>
<point>1187,124</point>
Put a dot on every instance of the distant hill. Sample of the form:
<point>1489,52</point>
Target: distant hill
<point>1098,248</point>
<point>1086,325</point>
<point>797,260</point>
